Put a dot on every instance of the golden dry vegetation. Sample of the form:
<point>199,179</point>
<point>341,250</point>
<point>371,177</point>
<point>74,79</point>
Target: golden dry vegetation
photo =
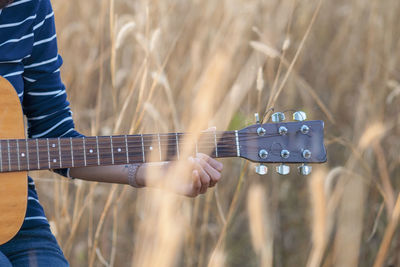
<point>174,65</point>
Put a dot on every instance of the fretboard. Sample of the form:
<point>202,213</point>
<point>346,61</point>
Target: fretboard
<point>56,153</point>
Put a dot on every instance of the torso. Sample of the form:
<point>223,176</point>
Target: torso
<point>16,42</point>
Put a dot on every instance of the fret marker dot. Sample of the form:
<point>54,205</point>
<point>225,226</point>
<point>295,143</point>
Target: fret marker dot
<point>23,155</point>
<point>151,148</point>
<point>53,145</point>
<point>119,149</point>
<point>54,160</point>
<point>91,151</point>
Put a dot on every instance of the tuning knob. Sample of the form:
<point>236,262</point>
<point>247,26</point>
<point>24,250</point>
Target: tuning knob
<point>261,169</point>
<point>304,169</point>
<point>299,116</point>
<point>257,118</point>
<point>283,169</point>
<point>278,117</point>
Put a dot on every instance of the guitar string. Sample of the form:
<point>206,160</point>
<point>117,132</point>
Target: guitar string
<point>225,144</point>
<point>134,157</point>
<point>222,149</point>
<point>231,142</point>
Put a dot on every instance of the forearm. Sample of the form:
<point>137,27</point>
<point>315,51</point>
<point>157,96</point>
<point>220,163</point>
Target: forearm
<point>201,172</point>
<point>117,174</point>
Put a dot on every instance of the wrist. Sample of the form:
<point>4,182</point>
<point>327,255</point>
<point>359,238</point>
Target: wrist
<point>149,174</point>
<point>133,170</point>
<point>141,175</point>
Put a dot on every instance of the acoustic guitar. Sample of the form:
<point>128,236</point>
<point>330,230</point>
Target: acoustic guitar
<point>278,142</point>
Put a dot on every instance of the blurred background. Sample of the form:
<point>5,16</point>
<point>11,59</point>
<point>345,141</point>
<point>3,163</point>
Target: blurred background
<point>175,65</point>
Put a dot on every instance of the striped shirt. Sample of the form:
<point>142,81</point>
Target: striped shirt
<point>29,60</point>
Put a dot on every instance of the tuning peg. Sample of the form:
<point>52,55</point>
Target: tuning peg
<point>257,118</point>
<point>261,169</point>
<point>278,117</point>
<point>304,169</point>
<point>304,129</point>
<point>299,116</point>
<point>282,130</point>
<point>283,169</point>
<point>306,154</point>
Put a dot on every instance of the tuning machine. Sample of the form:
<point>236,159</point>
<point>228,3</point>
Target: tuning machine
<point>305,169</point>
<point>261,169</point>
<point>260,130</point>
<point>257,118</point>
<point>299,116</point>
<point>278,117</point>
<point>283,169</point>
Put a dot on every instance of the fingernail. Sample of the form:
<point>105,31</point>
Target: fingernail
<point>220,166</point>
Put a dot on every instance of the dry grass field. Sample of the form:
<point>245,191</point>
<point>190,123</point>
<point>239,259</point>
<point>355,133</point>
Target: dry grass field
<point>175,65</point>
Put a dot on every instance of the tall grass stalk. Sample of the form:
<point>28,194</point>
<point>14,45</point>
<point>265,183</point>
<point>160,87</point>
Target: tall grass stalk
<point>165,66</point>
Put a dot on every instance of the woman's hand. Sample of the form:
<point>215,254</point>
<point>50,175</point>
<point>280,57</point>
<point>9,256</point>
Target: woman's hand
<point>206,172</point>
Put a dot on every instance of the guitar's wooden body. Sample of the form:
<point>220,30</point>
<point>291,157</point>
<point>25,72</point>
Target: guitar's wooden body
<point>13,185</point>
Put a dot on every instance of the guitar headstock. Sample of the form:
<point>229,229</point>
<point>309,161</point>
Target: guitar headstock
<point>299,141</point>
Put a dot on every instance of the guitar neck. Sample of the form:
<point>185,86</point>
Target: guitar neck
<point>55,153</point>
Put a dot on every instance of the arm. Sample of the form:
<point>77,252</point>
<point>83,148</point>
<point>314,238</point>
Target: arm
<point>205,172</point>
<point>47,109</point>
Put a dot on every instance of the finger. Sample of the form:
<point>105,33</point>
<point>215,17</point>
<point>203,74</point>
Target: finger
<point>214,174</point>
<point>214,163</point>
<point>212,183</point>
<point>196,184</point>
<point>204,177</point>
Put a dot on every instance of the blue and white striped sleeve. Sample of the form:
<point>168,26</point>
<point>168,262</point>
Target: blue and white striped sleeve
<point>45,101</point>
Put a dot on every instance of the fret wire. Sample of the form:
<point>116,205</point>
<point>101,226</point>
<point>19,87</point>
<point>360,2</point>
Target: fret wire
<point>143,148</point>
<point>27,153</point>
<point>9,160</point>
<point>72,153</point>
<point>126,149</point>
<point>59,152</point>
<point>37,153</point>
<point>97,149</point>
<point>159,146</point>
<point>177,145</point>
<point>48,151</point>
<point>215,143</point>
<point>237,143</point>
<point>112,150</point>
<point>18,159</point>
<point>84,150</point>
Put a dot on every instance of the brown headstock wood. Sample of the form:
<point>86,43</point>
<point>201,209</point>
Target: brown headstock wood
<point>283,142</point>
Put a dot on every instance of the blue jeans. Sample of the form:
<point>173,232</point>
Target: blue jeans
<point>32,247</point>
<point>34,244</point>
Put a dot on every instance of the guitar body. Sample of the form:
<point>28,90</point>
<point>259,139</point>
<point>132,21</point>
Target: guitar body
<point>13,185</point>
